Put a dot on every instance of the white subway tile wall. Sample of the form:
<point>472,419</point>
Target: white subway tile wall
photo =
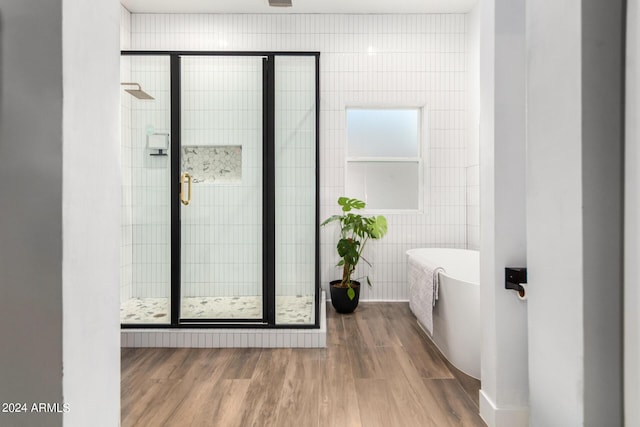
<point>150,180</point>
<point>366,60</point>
<point>222,227</point>
<point>295,175</point>
<point>126,238</point>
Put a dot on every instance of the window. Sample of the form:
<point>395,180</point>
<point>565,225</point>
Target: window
<point>383,157</point>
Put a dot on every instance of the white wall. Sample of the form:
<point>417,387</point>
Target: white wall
<point>632,222</point>
<point>555,276</point>
<point>574,220</point>
<point>91,211</point>
<point>504,394</point>
<point>31,207</point>
<point>365,60</point>
<point>58,258</point>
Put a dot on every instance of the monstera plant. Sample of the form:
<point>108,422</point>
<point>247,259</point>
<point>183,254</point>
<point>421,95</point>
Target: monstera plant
<point>355,232</point>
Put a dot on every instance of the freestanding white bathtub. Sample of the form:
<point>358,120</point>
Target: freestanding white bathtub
<point>456,315</point>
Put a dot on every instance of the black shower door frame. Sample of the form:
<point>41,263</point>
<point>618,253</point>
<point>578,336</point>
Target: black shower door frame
<point>268,194</point>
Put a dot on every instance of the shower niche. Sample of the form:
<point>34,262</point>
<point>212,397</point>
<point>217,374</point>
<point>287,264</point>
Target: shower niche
<point>213,164</point>
<point>225,235</point>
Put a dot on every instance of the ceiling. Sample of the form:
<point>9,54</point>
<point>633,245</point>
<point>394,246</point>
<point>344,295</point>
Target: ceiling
<point>299,6</point>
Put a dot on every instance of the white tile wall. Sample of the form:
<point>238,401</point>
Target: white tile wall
<point>150,177</point>
<point>222,227</point>
<point>126,237</point>
<point>473,139</point>
<point>295,169</point>
<point>378,60</point>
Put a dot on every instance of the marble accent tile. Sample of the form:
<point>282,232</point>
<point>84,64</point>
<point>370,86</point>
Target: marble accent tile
<point>289,309</point>
<point>213,164</point>
<point>145,310</point>
<point>294,309</point>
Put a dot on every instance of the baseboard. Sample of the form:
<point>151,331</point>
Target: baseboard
<point>502,417</point>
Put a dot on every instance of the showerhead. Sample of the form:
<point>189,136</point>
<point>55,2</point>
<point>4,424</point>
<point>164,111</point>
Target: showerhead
<point>138,93</point>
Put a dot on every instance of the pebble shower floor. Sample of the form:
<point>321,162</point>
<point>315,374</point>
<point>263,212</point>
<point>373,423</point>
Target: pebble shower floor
<point>289,309</point>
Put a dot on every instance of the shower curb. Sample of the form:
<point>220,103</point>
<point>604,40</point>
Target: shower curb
<point>225,338</point>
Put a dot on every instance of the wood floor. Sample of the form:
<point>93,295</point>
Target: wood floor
<point>378,370</point>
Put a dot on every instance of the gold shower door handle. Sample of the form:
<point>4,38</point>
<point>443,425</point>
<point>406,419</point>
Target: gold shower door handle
<point>185,177</point>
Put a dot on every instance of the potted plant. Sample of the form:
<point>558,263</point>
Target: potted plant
<point>355,232</point>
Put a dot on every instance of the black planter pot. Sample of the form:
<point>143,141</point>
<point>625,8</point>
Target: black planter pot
<point>340,300</point>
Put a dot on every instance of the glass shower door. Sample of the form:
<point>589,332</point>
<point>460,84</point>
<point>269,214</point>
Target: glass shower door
<point>145,287</point>
<point>221,188</point>
<point>295,189</point>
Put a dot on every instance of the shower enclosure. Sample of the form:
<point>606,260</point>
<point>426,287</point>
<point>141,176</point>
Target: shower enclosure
<point>220,189</point>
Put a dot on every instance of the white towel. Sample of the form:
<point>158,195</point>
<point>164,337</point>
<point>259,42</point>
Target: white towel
<point>424,281</point>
